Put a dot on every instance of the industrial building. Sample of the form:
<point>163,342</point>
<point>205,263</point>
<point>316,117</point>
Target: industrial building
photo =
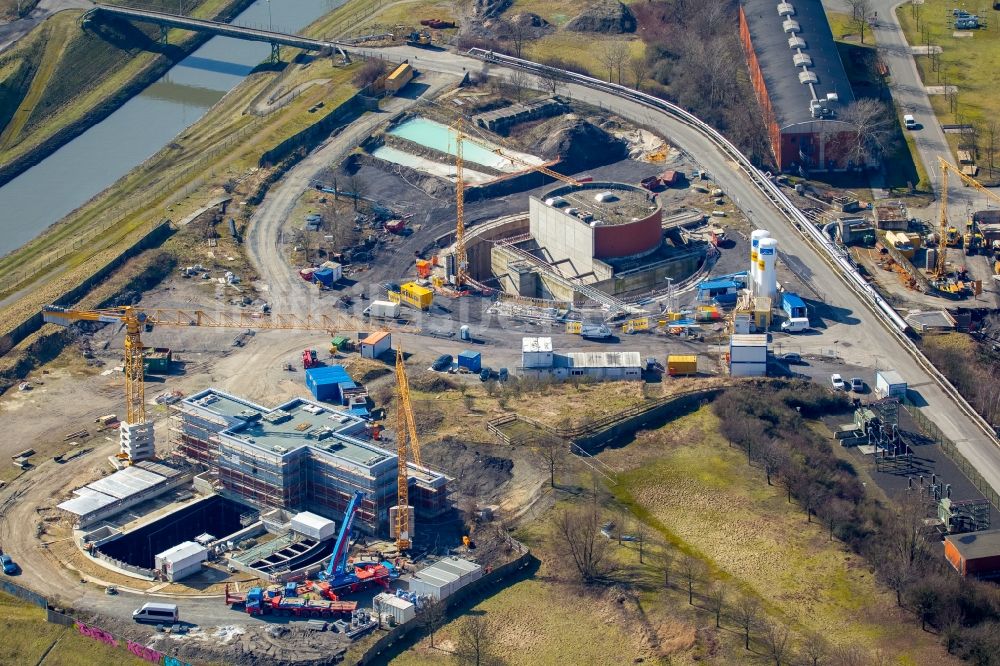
<point>748,355</point>
<point>601,235</point>
<point>800,84</point>
<point>538,360</point>
<point>300,456</point>
<point>181,561</point>
<point>376,344</point>
<point>112,494</point>
<point>975,553</point>
<point>443,578</point>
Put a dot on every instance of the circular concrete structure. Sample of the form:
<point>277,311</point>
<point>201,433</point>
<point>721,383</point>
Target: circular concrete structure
<point>624,221</point>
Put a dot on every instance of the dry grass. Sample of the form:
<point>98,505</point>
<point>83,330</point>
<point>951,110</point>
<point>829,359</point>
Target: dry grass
<point>583,49</point>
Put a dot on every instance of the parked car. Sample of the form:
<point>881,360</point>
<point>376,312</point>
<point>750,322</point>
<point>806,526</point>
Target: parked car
<point>857,385</point>
<point>909,122</point>
<point>792,358</point>
<point>9,566</point>
<point>837,381</point>
<point>442,363</point>
<point>485,374</point>
<point>502,374</point>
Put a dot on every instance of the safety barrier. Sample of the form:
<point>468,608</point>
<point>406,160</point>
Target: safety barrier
<point>839,259</point>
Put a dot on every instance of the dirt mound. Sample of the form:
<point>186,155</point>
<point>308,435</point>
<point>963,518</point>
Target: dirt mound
<point>528,20</point>
<point>484,9</point>
<point>605,16</point>
<point>430,382</point>
<point>477,473</point>
<point>581,144</point>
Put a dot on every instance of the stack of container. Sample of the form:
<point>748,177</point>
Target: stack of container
<point>328,383</point>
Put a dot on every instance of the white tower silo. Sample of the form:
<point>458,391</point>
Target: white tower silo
<point>755,237</point>
<point>767,278</point>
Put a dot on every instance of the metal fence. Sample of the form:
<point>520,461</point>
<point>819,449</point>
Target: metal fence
<point>948,446</point>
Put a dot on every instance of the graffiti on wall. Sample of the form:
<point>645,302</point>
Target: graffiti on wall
<point>137,649</point>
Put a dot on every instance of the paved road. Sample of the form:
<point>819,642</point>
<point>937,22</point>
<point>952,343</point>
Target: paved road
<point>15,30</point>
<point>870,344</point>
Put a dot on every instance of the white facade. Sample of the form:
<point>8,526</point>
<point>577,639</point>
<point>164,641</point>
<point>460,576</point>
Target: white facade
<point>445,577</point>
<point>889,383</point>
<point>181,561</point>
<point>767,277</point>
<point>313,526</point>
<point>375,345</point>
<point>748,356</point>
<point>399,609</point>
<point>136,440</point>
<point>536,352</point>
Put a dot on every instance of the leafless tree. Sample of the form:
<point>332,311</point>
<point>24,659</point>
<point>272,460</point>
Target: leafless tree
<point>432,617</point>
<point>691,569</point>
<point>517,33</point>
<point>517,82</point>
<point>641,534</point>
<point>553,452</point>
<point>666,562</point>
<point>991,143</point>
<point>551,81</point>
<point>772,457</point>
<point>474,645</point>
<point>834,512</point>
<point>774,636</point>
<point>578,532</point>
<point>639,67</point>
<point>874,127</point>
<point>358,189</point>
<point>614,55</point>
<point>378,605</point>
<point>717,600</point>
<point>860,12</point>
<point>815,650</point>
<point>747,610</point>
<point>371,71</point>
<point>897,572</point>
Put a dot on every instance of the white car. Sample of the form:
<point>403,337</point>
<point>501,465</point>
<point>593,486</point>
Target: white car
<point>837,381</point>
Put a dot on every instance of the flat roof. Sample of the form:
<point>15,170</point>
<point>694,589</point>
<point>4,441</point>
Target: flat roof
<point>329,374</point>
<point>789,97</point>
<point>792,300</point>
<point>748,340</point>
<point>598,360</point>
<point>536,344</point>
<point>126,482</point>
<point>86,501</point>
<point>974,545</point>
<point>375,338</point>
<point>722,283</point>
<point>182,551</point>
<point>221,403</point>
<point>399,70</point>
<point>627,203</point>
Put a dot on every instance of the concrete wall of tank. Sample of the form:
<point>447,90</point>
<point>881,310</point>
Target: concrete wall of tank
<point>565,238</point>
<point>634,239</point>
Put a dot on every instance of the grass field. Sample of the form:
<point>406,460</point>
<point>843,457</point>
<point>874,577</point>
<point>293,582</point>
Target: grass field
<point>357,16</point>
<point>27,637</point>
<point>583,49</point>
<point>970,63</point>
<point>699,497</point>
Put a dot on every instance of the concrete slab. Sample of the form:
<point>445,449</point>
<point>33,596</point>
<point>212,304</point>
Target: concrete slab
<point>925,50</point>
<point>942,90</point>
<point>962,33</point>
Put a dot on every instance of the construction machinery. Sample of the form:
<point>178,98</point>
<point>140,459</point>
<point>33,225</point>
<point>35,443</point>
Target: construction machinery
<point>406,429</point>
<point>339,573</point>
<point>273,601</point>
<point>136,432</point>
<point>309,359</point>
<point>420,38</point>
<point>461,256</point>
<point>973,238</point>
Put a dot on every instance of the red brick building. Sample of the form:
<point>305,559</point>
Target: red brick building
<point>800,83</point>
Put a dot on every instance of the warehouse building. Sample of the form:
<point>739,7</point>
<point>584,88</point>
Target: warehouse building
<point>444,578</point>
<point>801,85</point>
<point>538,360</point>
<point>975,553</point>
<point>300,456</point>
<point>181,561</point>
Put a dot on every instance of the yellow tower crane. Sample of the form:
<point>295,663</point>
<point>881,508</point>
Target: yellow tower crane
<point>944,228</point>
<point>138,320</point>
<point>406,429</point>
<point>461,255</point>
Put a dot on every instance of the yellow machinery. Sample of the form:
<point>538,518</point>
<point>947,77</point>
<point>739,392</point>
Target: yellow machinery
<point>406,429</point>
<point>950,236</point>
<point>137,320</point>
<point>461,256</point>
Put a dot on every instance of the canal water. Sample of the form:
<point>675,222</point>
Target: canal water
<point>107,151</point>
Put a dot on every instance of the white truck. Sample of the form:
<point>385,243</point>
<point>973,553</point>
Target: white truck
<point>795,325</point>
<point>889,384</point>
<point>382,310</point>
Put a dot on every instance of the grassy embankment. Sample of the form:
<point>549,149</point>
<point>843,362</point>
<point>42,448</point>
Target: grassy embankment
<point>83,71</point>
<point>970,63</point>
<point>697,495</point>
<point>859,62</point>
<point>29,639</point>
<point>224,145</point>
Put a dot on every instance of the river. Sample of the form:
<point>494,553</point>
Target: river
<point>69,177</point>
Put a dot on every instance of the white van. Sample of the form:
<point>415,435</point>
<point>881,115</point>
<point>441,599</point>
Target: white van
<point>795,325</point>
<point>909,122</point>
<point>158,613</point>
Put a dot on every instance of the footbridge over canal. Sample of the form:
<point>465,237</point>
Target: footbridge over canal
<point>166,20</point>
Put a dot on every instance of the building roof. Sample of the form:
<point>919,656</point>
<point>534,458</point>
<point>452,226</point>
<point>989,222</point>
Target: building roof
<point>399,71</point>
<point>128,481</point>
<point>890,376</point>
<point>182,551</point>
<point>394,601</point>
<point>974,545</point>
<point>792,300</point>
<point>375,338</point>
<point>720,283</point>
<point>933,319</point>
<point>219,403</point>
<point>627,204</point>
<point>536,344</point>
<point>312,520</point>
<point>790,98</point>
<point>86,501</point>
<point>748,340</point>
<point>598,360</point>
<point>330,374</point>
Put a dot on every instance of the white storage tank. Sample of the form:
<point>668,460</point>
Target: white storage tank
<point>767,277</point>
<point>313,526</point>
<point>755,237</point>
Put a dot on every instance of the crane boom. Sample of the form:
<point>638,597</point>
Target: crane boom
<point>403,389</point>
<point>338,559</point>
<point>942,254</point>
<point>402,478</point>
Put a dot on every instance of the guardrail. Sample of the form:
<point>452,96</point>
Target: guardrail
<point>838,259</point>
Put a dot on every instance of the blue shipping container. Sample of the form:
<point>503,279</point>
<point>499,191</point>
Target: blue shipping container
<point>471,360</point>
<point>324,275</point>
<point>325,383</point>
